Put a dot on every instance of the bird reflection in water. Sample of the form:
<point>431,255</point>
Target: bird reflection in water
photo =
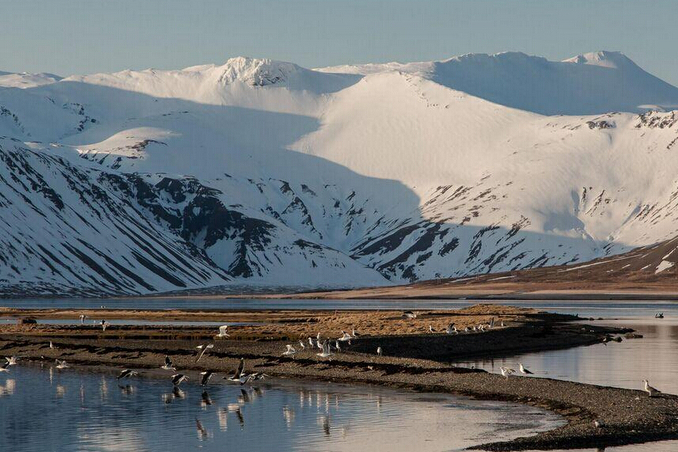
<point>203,434</point>
<point>103,387</point>
<point>288,415</point>
<point>205,400</point>
<point>127,389</point>
<point>222,416</point>
<point>60,391</point>
<point>176,394</point>
<point>324,421</point>
<point>8,388</point>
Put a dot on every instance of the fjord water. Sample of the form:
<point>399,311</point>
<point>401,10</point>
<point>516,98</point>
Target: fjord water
<point>356,414</point>
<point>624,364</point>
<point>43,409</point>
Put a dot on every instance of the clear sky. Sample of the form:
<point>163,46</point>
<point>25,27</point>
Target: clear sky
<point>84,36</point>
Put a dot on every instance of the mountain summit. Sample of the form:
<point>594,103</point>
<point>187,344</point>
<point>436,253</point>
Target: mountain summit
<point>263,173</point>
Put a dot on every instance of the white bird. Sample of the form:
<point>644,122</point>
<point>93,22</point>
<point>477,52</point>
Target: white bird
<point>354,334</point>
<point>430,329</point>
<point>82,318</point>
<point>379,351</point>
<point>451,329</point>
<point>492,322</point>
<point>598,423</point>
<point>11,360</point>
<point>290,351</point>
<point>502,323</point>
<point>523,370</point>
<point>223,331</point>
<point>301,344</point>
<point>319,344</point>
<point>506,372</point>
<point>205,378</point>
<point>127,373</point>
<point>52,346</point>
<point>466,330</point>
<point>326,352</point>
<point>104,325</point>
<point>203,349</point>
<point>409,315</point>
<point>61,364</point>
<point>317,337</point>
<point>336,345</point>
<point>239,374</point>
<point>310,341</point>
<point>652,392</point>
<point>4,367</point>
<point>168,364</point>
<point>177,379</point>
<point>345,337</point>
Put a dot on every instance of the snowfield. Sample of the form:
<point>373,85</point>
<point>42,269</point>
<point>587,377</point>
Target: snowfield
<point>264,173</point>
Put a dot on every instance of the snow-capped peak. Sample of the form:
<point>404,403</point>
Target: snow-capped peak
<point>256,72</point>
<point>26,79</point>
<point>603,58</point>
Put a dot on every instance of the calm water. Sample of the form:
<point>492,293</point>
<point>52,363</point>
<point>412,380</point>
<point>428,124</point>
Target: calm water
<point>584,308</point>
<point>101,416</point>
<point>42,409</point>
<point>624,365</point>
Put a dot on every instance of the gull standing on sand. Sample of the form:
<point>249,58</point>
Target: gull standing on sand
<point>168,364</point>
<point>177,379</point>
<point>203,349</point>
<point>336,345</point>
<point>409,315</point>
<point>523,370</point>
<point>301,344</point>
<point>52,346</point>
<point>430,329</point>
<point>310,342</point>
<point>205,377</point>
<point>82,318</point>
<point>127,373</point>
<point>354,334</point>
<point>652,392</point>
<point>451,329</point>
<point>290,351</point>
<point>379,351</point>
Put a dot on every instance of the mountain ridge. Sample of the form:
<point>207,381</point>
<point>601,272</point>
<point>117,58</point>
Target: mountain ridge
<point>269,174</point>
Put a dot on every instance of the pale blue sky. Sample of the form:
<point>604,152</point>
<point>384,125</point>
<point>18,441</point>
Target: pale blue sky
<point>84,36</point>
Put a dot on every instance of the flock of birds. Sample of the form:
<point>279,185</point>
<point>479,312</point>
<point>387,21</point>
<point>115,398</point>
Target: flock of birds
<point>327,348</point>
<point>239,376</point>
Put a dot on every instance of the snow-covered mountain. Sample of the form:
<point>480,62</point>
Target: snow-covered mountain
<point>265,173</point>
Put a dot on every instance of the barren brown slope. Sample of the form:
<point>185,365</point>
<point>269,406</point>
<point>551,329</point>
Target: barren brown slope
<point>649,272</point>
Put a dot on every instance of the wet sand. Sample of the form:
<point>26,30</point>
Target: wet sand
<point>413,358</point>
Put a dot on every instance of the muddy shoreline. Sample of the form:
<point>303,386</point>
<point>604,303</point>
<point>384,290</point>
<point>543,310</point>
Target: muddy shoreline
<point>413,358</point>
